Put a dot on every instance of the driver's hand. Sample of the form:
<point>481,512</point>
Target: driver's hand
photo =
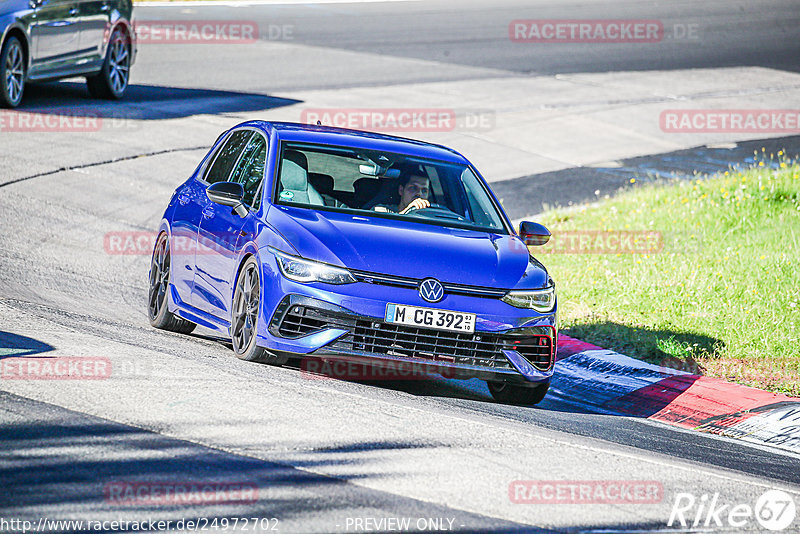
<point>416,204</point>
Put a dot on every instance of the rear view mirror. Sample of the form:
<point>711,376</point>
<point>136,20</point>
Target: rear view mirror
<point>378,171</point>
<point>368,170</point>
<point>533,233</point>
<point>228,194</point>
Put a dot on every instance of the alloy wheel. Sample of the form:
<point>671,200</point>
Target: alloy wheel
<point>15,72</point>
<point>118,62</point>
<point>245,309</point>
<point>159,277</point>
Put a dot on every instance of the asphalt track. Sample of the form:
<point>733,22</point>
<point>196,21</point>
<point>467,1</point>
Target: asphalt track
<point>325,452</point>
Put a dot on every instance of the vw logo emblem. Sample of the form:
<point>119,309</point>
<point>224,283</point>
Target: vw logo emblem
<point>431,290</point>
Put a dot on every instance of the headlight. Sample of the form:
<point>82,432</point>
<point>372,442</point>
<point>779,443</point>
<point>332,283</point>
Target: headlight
<point>301,270</point>
<point>541,300</point>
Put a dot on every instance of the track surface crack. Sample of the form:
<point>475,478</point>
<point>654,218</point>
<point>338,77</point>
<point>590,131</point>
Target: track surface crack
<point>105,162</point>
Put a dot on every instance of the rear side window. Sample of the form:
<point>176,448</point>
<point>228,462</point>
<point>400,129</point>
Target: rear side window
<point>227,156</point>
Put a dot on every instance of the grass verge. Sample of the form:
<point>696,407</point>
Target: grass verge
<point>717,294</point>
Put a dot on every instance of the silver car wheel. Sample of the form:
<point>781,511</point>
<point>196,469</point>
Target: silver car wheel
<point>118,62</point>
<point>245,309</point>
<point>15,72</point>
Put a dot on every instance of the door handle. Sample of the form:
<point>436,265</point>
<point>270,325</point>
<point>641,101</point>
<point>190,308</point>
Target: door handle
<point>208,212</point>
<point>183,198</point>
<point>104,7</point>
<point>73,11</point>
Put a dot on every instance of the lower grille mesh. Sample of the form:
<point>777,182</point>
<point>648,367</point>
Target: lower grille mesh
<point>401,340</point>
<point>536,349</point>
<point>378,337</point>
<point>301,321</point>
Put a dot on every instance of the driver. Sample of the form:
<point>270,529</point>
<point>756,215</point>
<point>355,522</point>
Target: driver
<point>413,190</point>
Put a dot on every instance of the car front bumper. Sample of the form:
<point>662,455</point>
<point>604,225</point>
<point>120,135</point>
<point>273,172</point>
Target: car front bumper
<point>348,323</point>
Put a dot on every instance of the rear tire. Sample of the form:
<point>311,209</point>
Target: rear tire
<point>112,81</point>
<point>245,315</point>
<point>158,311</point>
<point>506,393</point>
<point>12,73</point>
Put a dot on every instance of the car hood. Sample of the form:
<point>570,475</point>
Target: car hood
<point>409,249</point>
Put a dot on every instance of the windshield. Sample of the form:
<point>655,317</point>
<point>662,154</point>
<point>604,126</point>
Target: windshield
<point>385,184</point>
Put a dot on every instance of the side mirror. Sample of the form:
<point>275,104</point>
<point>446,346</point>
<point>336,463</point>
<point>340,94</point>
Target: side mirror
<point>533,233</point>
<point>228,194</point>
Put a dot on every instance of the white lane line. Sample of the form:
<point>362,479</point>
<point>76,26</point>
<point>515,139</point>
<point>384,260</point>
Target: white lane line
<point>243,3</point>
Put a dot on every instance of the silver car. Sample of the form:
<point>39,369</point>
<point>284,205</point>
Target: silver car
<point>46,40</point>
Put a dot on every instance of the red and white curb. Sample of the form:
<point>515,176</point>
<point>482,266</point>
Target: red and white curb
<point>609,382</point>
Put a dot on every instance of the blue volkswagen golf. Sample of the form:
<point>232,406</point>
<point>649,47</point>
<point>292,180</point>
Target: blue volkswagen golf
<point>299,241</point>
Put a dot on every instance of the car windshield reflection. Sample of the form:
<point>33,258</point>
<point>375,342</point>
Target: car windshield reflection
<point>385,184</point>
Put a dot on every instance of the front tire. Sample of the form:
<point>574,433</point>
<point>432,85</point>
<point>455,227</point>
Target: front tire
<point>112,81</point>
<point>158,312</point>
<point>12,73</point>
<point>245,313</point>
<point>506,393</point>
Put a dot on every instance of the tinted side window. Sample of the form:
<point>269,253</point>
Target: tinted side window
<point>227,156</point>
<point>483,212</point>
<point>250,170</point>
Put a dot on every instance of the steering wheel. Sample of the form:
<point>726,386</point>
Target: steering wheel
<point>435,211</point>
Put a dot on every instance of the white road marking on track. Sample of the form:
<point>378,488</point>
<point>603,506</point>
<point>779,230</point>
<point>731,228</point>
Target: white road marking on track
<point>244,3</point>
<point>518,428</point>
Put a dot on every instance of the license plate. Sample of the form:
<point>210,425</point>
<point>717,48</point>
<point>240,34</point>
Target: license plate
<point>430,318</point>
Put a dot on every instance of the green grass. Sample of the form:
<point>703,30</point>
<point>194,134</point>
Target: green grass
<point>721,298</point>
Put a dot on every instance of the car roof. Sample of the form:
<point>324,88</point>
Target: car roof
<point>327,135</point>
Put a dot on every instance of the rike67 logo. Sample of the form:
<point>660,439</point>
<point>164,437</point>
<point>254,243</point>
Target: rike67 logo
<point>775,510</point>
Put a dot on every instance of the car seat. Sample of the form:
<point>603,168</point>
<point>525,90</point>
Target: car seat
<point>294,180</point>
<point>365,190</point>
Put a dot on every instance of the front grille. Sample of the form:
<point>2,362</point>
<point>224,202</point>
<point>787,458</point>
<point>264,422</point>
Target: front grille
<point>301,321</point>
<point>373,336</point>
<point>478,349</point>
<point>295,320</point>
<point>413,283</point>
<point>537,349</point>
